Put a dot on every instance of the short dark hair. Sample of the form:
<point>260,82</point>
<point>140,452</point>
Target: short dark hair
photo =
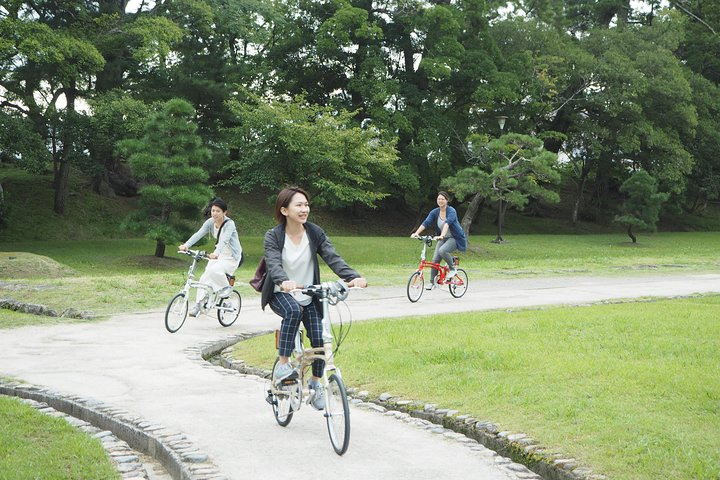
<point>215,202</point>
<point>283,200</point>
<point>444,194</point>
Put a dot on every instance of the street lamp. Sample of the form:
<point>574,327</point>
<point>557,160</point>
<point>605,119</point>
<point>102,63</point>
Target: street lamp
<point>501,121</point>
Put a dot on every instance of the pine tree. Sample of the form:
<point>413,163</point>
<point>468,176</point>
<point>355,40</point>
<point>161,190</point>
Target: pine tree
<point>168,161</point>
<point>642,206</point>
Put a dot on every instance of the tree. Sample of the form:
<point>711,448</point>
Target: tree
<point>324,150</point>
<point>168,159</point>
<point>642,205</point>
<point>43,60</point>
<point>508,170</point>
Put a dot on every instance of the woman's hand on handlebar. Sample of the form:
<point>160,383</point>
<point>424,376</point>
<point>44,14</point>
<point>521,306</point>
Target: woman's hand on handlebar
<point>288,286</point>
<point>183,248</point>
<point>358,282</point>
<point>212,256</point>
<point>414,235</point>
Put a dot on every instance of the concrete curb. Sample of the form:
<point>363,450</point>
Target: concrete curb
<point>177,455</point>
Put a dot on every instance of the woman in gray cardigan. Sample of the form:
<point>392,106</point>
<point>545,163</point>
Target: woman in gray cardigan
<point>291,257</point>
<point>226,256</point>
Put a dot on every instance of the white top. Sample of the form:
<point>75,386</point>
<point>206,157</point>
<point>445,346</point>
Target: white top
<point>297,263</point>
<point>226,251</point>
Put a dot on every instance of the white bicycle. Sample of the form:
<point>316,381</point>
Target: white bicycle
<point>226,301</point>
<point>287,397</point>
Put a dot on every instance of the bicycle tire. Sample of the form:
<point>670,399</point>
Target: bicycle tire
<point>282,404</point>
<point>415,286</point>
<point>227,318</point>
<point>458,284</point>
<point>176,313</point>
<point>337,414</point>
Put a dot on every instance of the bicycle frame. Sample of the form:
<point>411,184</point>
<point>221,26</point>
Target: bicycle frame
<point>441,269</point>
<point>210,293</point>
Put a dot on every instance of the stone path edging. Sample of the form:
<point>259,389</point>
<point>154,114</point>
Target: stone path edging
<point>517,446</point>
<point>174,451</point>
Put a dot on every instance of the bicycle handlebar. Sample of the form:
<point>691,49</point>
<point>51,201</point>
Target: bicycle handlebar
<point>337,290</point>
<point>428,239</point>
<point>198,254</point>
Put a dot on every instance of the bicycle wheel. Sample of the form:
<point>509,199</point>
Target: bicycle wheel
<point>228,317</point>
<point>415,286</point>
<point>286,400</point>
<point>176,313</point>
<point>458,284</point>
<point>337,414</point>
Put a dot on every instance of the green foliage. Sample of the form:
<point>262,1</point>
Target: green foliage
<point>169,159</point>
<point>319,148</point>
<point>643,203</point>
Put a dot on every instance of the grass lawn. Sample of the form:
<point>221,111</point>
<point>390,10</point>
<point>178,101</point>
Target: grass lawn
<point>112,276</point>
<point>631,390</point>
<point>34,445</point>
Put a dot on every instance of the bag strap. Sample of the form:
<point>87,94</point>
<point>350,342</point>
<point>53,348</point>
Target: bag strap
<point>220,230</point>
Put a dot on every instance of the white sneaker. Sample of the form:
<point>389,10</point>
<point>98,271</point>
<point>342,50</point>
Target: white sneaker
<point>284,371</point>
<point>430,286</point>
<point>318,400</point>
<point>195,310</point>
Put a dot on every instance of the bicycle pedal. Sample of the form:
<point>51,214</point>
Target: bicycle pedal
<point>270,398</point>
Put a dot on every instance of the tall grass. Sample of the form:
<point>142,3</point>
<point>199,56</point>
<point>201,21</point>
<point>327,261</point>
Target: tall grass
<point>632,390</point>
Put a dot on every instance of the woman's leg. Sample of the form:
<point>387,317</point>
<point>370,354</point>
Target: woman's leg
<point>292,313</point>
<point>313,324</point>
<point>445,250</point>
<point>214,275</point>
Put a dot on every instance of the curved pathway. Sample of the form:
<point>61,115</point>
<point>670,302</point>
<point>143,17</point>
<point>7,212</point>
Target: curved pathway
<point>132,363</point>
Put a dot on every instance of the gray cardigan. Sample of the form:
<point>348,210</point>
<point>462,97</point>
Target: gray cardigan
<point>228,236</point>
<point>319,243</point>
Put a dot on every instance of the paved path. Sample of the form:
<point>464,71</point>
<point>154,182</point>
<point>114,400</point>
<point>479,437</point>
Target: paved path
<point>131,362</point>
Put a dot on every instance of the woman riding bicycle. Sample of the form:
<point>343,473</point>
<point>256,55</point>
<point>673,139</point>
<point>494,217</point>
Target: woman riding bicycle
<point>450,235</point>
<point>227,255</point>
<point>291,250</point>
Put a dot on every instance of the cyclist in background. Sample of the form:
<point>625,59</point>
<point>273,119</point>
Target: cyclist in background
<point>291,256</point>
<point>227,255</point>
<point>450,235</point>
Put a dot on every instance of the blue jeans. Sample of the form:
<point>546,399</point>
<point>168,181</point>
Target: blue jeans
<point>292,314</point>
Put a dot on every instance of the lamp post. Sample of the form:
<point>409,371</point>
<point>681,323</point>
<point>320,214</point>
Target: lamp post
<point>501,204</point>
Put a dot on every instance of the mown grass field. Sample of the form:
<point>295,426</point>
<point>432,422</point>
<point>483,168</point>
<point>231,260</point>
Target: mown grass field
<point>631,390</point>
<point>34,446</point>
<point>121,275</point>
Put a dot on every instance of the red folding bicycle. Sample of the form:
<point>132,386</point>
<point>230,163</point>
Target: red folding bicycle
<point>416,284</point>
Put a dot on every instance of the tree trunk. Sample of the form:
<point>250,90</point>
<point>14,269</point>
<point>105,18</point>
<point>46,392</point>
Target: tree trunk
<point>160,249</point>
<point>579,193</point>
<point>502,206</point>
<point>475,205</point>
<point>630,234</point>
